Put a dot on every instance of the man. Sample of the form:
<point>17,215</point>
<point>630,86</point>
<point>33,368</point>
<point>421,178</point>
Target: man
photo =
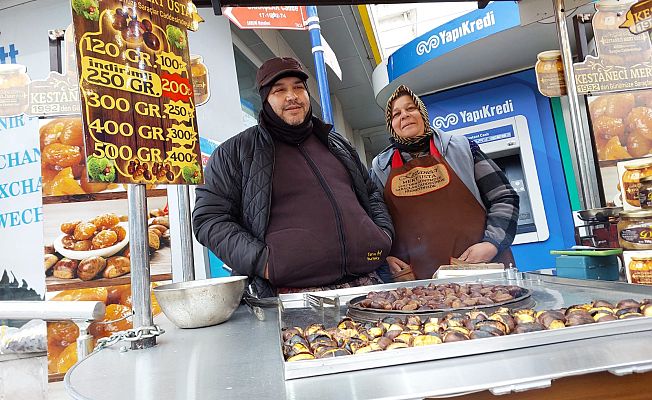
<point>287,202</point>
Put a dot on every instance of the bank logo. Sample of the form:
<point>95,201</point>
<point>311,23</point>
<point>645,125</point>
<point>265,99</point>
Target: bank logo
<point>426,46</point>
<point>444,122</point>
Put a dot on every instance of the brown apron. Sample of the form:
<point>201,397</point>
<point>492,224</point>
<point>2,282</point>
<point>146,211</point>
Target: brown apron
<point>435,215</point>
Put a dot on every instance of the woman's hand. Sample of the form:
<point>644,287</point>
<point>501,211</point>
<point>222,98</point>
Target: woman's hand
<point>478,253</point>
<point>396,265</point>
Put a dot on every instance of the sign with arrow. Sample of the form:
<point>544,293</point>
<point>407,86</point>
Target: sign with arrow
<point>278,17</point>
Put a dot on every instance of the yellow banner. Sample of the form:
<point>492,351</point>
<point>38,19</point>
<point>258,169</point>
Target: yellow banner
<point>120,77</point>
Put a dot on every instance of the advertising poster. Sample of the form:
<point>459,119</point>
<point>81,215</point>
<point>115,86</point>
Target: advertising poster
<point>21,212</point>
<point>138,109</point>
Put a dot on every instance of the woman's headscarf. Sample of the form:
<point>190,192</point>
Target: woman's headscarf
<point>415,143</point>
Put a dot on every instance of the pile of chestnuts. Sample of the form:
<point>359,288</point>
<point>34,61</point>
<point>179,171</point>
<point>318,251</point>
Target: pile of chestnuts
<point>350,337</point>
<point>440,297</point>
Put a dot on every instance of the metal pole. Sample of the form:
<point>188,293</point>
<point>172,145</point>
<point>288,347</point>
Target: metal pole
<point>139,249</point>
<point>587,183</point>
<point>320,66</point>
<point>185,233</point>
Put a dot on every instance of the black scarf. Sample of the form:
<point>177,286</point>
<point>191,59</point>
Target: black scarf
<point>421,145</point>
<point>279,129</point>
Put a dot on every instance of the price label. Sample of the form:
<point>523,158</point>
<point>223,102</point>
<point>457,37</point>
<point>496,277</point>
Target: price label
<point>182,135</point>
<point>179,111</point>
<point>120,77</point>
<point>171,63</point>
<point>181,157</point>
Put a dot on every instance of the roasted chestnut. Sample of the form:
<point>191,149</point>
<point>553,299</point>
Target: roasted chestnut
<point>505,319</point>
<point>147,25</point>
<point>287,333</point>
<point>119,21</point>
<point>301,356</point>
<point>426,340</point>
<point>492,326</point>
<point>368,348</point>
<point>454,336</point>
<point>579,318</point>
<point>346,323</point>
<point>628,303</point>
<point>480,334</point>
<point>334,352</point>
<point>151,40</point>
<point>531,327</point>
<point>397,345</point>
<point>646,309</point>
<point>383,342</point>
<point>404,338</point>
<point>602,303</point>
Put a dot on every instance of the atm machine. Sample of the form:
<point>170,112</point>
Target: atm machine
<point>507,142</point>
<point>514,125</point>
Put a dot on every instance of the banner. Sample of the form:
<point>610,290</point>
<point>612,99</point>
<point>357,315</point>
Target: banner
<point>137,97</point>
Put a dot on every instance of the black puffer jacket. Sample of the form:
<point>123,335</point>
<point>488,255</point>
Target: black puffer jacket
<point>231,212</point>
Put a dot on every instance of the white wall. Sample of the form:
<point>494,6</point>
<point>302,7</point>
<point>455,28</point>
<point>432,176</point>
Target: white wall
<point>221,117</point>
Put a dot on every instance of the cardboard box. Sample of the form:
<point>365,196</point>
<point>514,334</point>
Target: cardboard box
<point>461,270</point>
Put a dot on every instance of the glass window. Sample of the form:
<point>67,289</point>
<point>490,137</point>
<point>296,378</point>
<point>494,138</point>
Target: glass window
<point>249,97</point>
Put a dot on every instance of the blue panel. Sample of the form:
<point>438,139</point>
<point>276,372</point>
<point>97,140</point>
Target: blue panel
<point>496,17</point>
<point>510,95</point>
<point>207,148</point>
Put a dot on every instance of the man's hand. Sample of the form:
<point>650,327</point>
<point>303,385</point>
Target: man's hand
<point>266,271</point>
<point>479,253</point>
<point>396,264</point>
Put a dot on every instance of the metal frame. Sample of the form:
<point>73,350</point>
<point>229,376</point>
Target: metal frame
<point>549,293</point>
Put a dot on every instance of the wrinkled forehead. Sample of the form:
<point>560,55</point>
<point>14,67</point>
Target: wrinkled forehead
<point>402,101</point>
<point>288,80</point>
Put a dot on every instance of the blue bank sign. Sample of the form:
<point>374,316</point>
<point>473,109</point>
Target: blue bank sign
<point>496,17</point>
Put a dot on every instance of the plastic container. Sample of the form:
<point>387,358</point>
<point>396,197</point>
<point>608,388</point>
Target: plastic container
<point>588,267</point>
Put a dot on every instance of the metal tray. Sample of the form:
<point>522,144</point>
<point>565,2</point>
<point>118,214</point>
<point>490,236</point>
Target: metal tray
<point>548,292</point>
<point>364,314</point>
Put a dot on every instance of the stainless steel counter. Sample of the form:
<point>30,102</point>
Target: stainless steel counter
<point>240,359</point>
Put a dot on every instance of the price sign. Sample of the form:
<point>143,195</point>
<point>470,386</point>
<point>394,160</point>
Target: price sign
<point>136,91</point>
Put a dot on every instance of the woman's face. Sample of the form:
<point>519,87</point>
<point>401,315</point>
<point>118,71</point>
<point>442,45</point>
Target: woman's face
<point>406,118</point>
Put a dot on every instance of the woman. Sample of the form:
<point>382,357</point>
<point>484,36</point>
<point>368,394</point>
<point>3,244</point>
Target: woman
<point>446,198</point>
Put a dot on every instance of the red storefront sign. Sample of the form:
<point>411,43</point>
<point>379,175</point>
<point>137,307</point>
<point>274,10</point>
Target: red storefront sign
<point>278,17</point>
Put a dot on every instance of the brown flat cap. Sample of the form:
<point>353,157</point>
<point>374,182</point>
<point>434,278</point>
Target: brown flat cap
<point>277,68</point>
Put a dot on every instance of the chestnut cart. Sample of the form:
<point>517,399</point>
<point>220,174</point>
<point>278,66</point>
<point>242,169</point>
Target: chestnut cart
<point>242,358</point>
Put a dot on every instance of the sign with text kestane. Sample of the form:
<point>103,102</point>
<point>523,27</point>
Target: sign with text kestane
<point>137,99</point>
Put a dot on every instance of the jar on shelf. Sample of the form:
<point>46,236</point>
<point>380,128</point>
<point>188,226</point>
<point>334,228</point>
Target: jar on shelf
<point>635,230</point>
<point>199,74</point>
<point>632,180</point>
<point>645,193</point>
<point>550,74</point>
<point>640,270</point>
<point>13,89</point>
